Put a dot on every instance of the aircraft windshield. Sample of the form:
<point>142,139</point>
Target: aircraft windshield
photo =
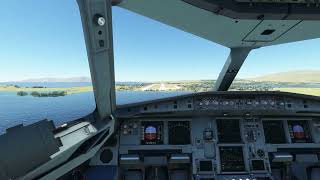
<point>292,67</point>
<point>159,59</point>
<point>153,60</point>
<point>45,72</point>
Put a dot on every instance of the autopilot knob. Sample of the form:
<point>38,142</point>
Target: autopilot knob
<point>260,153</point>
<point>208,135</point>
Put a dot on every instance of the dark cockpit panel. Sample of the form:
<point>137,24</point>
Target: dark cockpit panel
<point>228,131</point>
<point>274,132</point>
<point>179,132</point>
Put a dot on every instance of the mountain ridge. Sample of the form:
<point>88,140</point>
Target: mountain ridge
<point>49,79</point>
<point>299,76</point>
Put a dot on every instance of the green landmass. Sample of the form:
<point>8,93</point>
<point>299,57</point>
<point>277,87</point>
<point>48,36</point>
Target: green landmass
<point>190,86</point>
<point>48,94</point>
<point>303,82</point>
<point>42,94</point>
<point>309,91</point>
<point>71,90</point>
<point>22,93</point>
<point>299,76</point>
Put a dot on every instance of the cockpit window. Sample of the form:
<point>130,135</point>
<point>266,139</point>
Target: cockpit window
<point>158,59</point>
<point>44,71</point>
<point>292,67</point>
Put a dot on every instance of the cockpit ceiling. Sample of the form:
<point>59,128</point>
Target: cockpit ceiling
<point>262,9</point>
<point>262,29</point>
<point>282,1</point>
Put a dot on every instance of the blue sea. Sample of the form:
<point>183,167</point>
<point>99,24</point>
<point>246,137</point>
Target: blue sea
<point>15,109</point>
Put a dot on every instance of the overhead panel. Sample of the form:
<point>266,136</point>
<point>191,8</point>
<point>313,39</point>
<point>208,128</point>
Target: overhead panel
<point>270,30</point>
<point>304,30</point>
<point>220,29</point>
<point>262,9</point>
<point>258,26</point>
<point>282,1</point>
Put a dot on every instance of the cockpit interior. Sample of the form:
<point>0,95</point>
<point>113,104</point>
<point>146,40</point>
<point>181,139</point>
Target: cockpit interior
<point>216,135</point>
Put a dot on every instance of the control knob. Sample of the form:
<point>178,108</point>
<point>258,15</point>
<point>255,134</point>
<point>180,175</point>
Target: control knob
<point>260,153</point>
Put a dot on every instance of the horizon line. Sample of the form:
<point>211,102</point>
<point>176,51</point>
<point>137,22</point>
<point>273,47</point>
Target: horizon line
<point>146,81</point>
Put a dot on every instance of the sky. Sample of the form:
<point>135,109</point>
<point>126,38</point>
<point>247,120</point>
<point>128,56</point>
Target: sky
<point>44,38</point>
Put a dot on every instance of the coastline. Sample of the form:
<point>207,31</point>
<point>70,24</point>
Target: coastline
<point>71,90</point>
<point>82,89</point>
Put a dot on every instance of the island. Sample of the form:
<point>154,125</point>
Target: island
<point>39,91</point>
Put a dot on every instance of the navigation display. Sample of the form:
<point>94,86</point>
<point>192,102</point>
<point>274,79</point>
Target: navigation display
<point>151,133</point>
<point>179,132</point>
<point>299,131</point>
<point>228,131</point>
<point>274,132</point>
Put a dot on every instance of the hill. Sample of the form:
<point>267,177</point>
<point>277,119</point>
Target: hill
<point>72,79</point>
<point>301,76</point>
<point>312,76</point>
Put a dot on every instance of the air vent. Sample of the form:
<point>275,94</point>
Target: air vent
<point>106,156</point>
<point>268,32</point>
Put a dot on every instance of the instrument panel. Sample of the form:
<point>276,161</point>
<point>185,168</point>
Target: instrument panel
<point>228,145</point>
<point>222,143</point>
<point>157,132</point>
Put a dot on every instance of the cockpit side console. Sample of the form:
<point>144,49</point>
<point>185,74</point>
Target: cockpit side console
<point>27,154</point>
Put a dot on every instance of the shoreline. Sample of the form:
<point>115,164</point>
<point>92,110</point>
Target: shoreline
<point>72,90</point>
<point>82,89</point>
